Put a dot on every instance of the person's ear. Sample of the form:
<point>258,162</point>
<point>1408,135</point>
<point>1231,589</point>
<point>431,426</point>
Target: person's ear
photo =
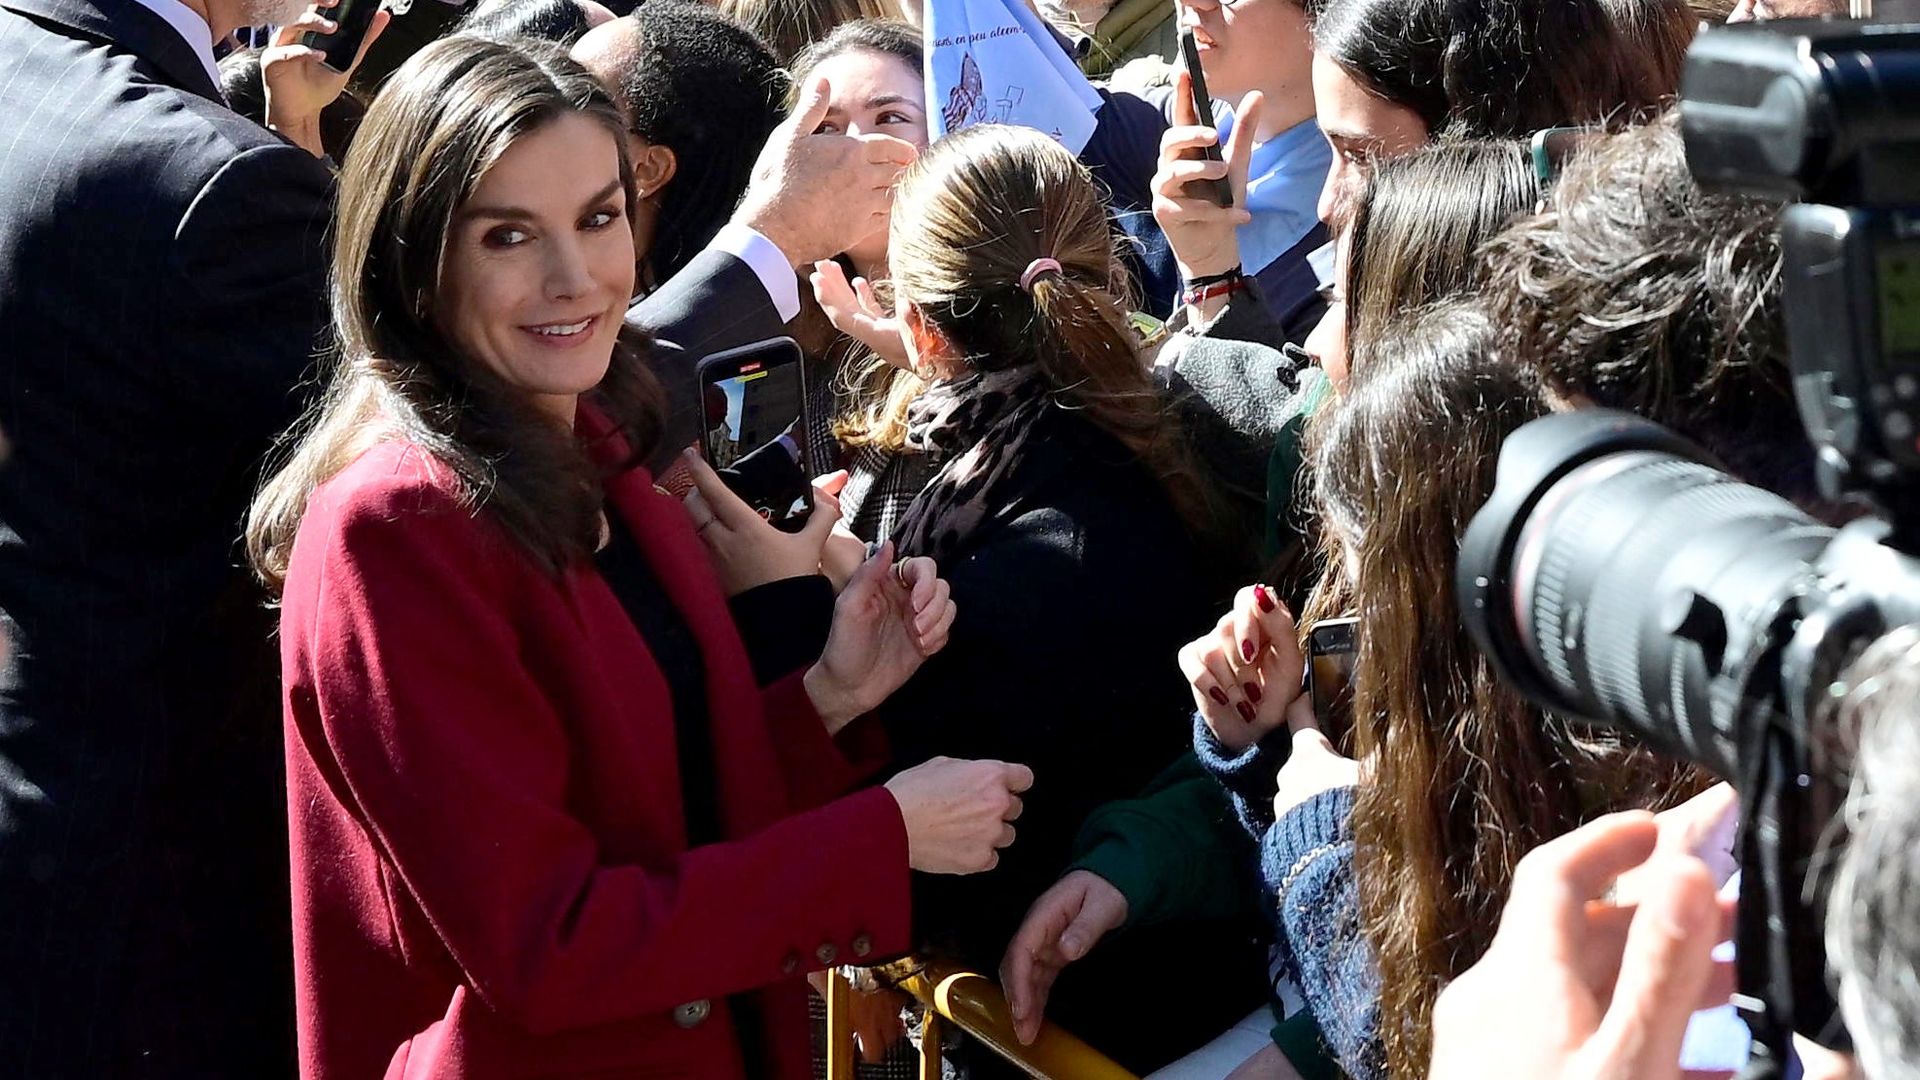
<point>653,167</point>
<point>932,352</point>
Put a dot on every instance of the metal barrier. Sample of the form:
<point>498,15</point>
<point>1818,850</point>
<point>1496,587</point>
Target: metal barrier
<point>975,1004</point>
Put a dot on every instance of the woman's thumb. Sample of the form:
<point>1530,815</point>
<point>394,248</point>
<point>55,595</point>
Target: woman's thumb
<point>826,511</point>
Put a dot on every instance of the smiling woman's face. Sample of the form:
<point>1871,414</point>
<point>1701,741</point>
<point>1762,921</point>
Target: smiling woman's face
<point>539,264</point>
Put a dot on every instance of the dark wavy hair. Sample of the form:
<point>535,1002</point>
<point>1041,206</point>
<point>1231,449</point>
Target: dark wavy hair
<point>1498,68</point>
<point>1416,229</point>
<point>1467,775</point>
<point>561,22</point>
<point>711,91</point>
<point>441,121</point>
<point>1639,290</point>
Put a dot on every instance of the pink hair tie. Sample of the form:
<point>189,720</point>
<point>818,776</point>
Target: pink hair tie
<point>1035,269</point>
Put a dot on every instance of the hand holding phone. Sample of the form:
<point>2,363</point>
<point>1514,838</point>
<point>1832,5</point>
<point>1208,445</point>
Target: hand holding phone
<point>353,20</point>
<point>1220,191</point>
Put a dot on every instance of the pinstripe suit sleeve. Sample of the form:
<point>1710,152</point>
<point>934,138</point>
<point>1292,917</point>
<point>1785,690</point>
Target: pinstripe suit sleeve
<point>249,302</point>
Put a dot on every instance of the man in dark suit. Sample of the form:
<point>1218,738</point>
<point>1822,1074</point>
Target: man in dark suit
<point>811,197</point>
<point>162,281</point>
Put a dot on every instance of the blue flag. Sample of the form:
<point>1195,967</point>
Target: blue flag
<point>996,62</point>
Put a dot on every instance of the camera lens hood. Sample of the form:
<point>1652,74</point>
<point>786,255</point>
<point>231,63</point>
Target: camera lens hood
<point>1532,461</point>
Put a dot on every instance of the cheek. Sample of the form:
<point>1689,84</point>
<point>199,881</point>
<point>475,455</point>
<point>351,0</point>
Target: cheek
<point>1328,346</point>
<point>613,255</point>
<point>467,289</point>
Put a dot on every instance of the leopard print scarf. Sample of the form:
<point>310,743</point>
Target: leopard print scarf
<point>976,429</point>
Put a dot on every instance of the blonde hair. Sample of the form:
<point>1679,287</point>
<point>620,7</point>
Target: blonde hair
<point>789,26</point>
<point>970,217</point>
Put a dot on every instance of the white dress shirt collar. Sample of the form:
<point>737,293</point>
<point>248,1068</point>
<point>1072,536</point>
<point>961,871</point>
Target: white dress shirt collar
<point>191,27</point>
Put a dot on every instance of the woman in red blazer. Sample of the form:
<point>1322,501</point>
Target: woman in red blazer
<point>544,821</point>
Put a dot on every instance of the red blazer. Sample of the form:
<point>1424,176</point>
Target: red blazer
<point>491,874</point>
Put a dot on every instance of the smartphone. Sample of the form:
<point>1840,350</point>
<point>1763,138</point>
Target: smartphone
<point>1553,146</point>
<point>351,19</point>
<point>1330,648</point>
<point>1220,191</point>
<point>753,395</point>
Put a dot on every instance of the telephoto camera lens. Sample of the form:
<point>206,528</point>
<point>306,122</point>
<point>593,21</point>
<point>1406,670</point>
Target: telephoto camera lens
<point>1617,577</point>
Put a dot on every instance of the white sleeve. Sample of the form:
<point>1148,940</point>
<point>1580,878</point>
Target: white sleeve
<point>768,263</point>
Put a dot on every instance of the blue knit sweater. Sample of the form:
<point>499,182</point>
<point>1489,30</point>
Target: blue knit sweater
<point>1306,862</point>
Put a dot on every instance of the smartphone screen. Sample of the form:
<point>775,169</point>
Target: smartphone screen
<point>750,404</point>
<point>1330,671</point>
<point>1220,191</point>
<point>352,18</point>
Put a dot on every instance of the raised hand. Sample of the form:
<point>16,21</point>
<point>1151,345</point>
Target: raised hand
<point>1246,674</point>
<point>855,312</point>
<point>298,82</point>
<point>1200,231</point>
<point>959,814</point>
<point>816,195</point>
<point>1062,926</point>
<point>887,621</point>
<point>1575,988</point>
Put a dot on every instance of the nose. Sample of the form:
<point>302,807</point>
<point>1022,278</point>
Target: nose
<point>1198,5</point>
<point>1331,188</point>
<point>569,275</point>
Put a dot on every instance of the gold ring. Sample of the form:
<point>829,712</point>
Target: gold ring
<point>900,575</point>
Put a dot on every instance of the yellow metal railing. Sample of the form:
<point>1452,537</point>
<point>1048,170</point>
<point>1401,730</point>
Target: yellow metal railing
<point>975,1004</point>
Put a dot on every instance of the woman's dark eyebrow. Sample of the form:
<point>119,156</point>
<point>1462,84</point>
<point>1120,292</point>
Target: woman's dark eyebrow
<point>884,100</point>
<point>516,213</point>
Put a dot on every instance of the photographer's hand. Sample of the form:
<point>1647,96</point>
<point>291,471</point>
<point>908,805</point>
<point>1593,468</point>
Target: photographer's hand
<point>1574,988</point>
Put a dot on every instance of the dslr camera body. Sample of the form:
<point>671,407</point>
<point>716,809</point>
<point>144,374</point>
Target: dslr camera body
<point>1618,576</point>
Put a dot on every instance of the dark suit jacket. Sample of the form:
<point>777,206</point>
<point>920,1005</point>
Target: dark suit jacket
<point>713,304</point>
<point>161,280</point>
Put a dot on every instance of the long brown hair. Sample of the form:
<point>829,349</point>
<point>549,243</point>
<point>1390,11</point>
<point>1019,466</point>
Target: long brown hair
<point>442,120</point>
<point>1418,224</point>
<point>969,217</point>
<point>1467,776</point>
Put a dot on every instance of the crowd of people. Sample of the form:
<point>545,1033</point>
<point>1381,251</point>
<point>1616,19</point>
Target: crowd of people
<point>393,688</point>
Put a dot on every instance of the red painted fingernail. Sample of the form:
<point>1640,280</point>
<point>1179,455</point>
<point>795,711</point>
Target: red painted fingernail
<point>1217,694</point>
<point>1246,711</point>
<point>1246,651</point>
<point>1253,693</point>
<point>1262,597</point>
